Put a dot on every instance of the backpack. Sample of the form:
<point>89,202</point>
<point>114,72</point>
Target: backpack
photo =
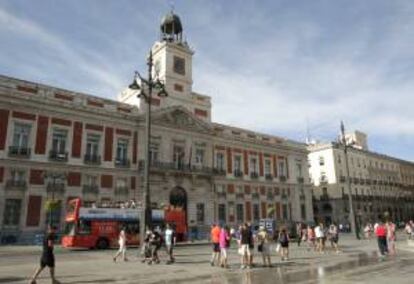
<point>283,238</point>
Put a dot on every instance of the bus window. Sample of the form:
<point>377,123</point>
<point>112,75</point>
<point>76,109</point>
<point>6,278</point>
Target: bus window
<point>69,229</point>
<point>84,227</point>
<point>130,227</point>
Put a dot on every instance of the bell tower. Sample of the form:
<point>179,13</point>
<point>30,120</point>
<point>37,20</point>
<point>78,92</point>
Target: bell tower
<point>173,61</point>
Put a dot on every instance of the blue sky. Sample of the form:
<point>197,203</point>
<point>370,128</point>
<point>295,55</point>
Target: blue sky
<point>287,64</point>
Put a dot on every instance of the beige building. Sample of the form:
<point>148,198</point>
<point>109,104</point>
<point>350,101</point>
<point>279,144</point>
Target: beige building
<point>57,144</point>
<point>379,183</point>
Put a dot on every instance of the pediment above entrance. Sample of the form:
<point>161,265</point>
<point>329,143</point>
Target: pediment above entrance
<point>180,118</point>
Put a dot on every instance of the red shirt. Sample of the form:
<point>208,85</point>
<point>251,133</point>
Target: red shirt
<point>381,231</point>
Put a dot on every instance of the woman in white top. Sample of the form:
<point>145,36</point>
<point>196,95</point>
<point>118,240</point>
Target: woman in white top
<point>320,238</point>
<point>122,246</point>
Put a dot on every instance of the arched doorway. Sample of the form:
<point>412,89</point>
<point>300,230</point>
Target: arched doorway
<point>177,212</point>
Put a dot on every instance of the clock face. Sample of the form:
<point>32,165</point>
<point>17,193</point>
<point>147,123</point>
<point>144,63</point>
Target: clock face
<point>179,65</point>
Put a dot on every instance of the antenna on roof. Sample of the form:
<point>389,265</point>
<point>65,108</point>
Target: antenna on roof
<point>308,137</point>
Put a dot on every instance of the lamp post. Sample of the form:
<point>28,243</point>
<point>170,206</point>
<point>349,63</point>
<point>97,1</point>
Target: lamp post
<point>351,206</point>
<point>146,87</point>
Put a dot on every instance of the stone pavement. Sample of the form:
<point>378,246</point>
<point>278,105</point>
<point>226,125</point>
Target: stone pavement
<point>192,265</point>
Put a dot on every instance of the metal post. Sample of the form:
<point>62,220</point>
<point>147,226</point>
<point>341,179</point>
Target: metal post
<point>351,207</point>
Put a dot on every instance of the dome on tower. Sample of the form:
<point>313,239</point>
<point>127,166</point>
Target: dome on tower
<point>171,28</point>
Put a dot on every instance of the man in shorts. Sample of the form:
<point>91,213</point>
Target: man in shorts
<point>245,242</point>
<point>48,257</point>
<point>215,239</point>
<point>169,243</point>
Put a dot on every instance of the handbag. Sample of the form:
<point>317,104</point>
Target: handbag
<point>260,248</point>
<point>278,248</point>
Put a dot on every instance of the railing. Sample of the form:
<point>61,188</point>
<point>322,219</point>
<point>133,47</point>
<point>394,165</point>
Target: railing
<point>222,194</point>
<point>254,175</point>
<point>186,168</point>
<point>300,179</point>
<point>368,181</point>
<point>302,197</point>
<point>362,181</point>
<point>92,159</point>
<point>219,171</point>
<point>342,179</point>
<point>58,156</point>
<point>284,196</point>
<point>58,188</point>
<point>239,195</point>
<point>122,163</point>
<point>282,178</point>
<point>268,176</point>
<point>270,196</point>
<point>19,152</point>
<point>238,173</point>
<point>121,190</point>
<point>324,197</point>
<point>19,185</point>
<point>255,195</point>
<point>90,188</point>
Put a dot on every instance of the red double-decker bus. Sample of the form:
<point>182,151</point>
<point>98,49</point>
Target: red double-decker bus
<point>99,227</point>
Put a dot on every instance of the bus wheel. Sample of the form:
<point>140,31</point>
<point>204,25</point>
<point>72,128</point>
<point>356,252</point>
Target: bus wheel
<point>102,243</point>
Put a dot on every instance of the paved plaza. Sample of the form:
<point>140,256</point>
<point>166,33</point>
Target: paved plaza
<point>358,263</point>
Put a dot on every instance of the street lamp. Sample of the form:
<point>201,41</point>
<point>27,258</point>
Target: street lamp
<point>351,207</point>
<point>146,86</point>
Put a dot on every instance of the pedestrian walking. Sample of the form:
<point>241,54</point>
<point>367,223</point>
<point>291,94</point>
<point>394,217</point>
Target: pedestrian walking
<point>367,231</point>
<point>299,233</point>
<point>146,248</point>
<point>155,244</point>
<point>244,247</point>
<point>251,244</point>
<point>408,230</point>
<point>311,238</point>
<point>320,238</point>
<point>122,246</point>
<point>224,242</point>
<point>215,239</point>
<point>284,244</point>
<point>48,257</point>
<point>170,239</point>
<point>381,233</point>
<point>263,245</point>
<point>391,237</point>
<point>334,236</point>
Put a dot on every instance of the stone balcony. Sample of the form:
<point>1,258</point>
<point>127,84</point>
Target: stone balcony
<point>16,185</point>
<point>180,168</point>
<point>90,189</point>
<point>19,152</point>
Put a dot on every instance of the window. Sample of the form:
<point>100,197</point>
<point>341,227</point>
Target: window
<point>220,161</point>
<point>239,213</point>
<point>122,150</point>
<point>59,141</point>
<point>21,135</point>
<point>324,191</point>
<point>267,167</point>
<point>121,182</point>
<point>200,213</point>
<point>321,161</point>
<point>17,175</point>
<point>179,65</point>
<point>178,157</point>
<point>199,156</point>
<point>339,158</point>
<point>284,211</point>
<point>256,212</point>
<point>222,213</point>
<point>154,153</point>
<point>303,211</point>
<point>281,168</point>
<point>253,165</point>
<point>92,145</point>
<point>299,169</point>
<point>91,180</point>
<point>237,163</point>
<point>12,212</point>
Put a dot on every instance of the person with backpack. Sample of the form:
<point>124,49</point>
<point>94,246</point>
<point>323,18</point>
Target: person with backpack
<point>284,244</point>
<point>155,244</point>
<point>334,236</point>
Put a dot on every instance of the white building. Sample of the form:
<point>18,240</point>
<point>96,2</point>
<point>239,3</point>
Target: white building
<point>379,183</point>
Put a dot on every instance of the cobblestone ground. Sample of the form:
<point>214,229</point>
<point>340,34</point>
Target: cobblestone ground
<point>357,263</point>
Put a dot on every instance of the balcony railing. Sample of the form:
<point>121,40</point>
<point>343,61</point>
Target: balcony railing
<point>323,181</point>
<point>282,178</point>
<point>55,188</point>
<point>254,175</point>
<point>180,167</point>
<point>122,163</point>
<point>219,171</point>
<point>342,179</point>
<point>255,195</point>
<point>92,159</point>
<point>300,179</point>
<point>58,156</point>
<point>221,194</point>
<point>268,176</point>
<point>368,181</point>
<point>270,196</point>
<point>238,173</point>
<point>239,195</point>
<point>18,185</point>
<point>284,196</point>
<point>324,197</point>
<point>302,197</point>
<point>90,189</point>
<point>121,190</point>
<point>362,181</point>
<point>19,152</point>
